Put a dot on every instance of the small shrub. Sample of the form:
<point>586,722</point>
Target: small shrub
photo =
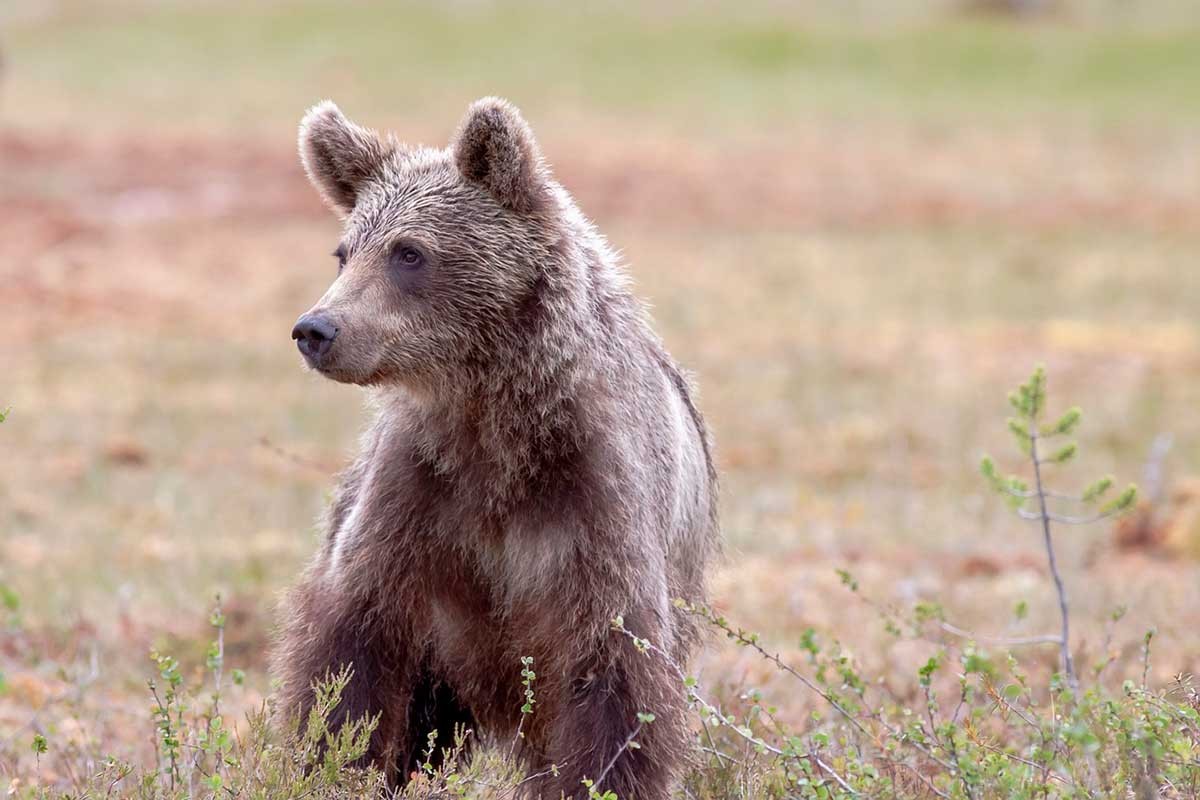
<point>201,753</point>
<point>984,727</point>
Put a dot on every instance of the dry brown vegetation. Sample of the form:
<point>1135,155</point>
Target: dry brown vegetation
<point>855,292</point>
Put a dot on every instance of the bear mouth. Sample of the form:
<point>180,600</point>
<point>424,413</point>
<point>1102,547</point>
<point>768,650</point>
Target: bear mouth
<point>316,362</point>
<point>327,367</point>
<point>323,364</point>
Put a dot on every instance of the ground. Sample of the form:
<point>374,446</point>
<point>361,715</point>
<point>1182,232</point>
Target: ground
<point>858,229</point>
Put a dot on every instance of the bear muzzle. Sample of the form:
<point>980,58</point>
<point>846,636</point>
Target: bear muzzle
<point>314,335</point>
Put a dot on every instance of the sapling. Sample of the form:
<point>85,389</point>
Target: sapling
<point>1036,440</point>
<point>528,676</point>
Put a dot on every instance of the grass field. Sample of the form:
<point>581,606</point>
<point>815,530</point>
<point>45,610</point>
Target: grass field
<point>859,226</point>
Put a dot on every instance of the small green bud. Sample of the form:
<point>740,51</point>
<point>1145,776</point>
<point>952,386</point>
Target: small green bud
<point>1122,502</point>
<point>977,662</point>
<point>9,599</point>
<point>1066,423</point>
<point>1064,454</point>
<point>988,468</point>
<point>1019,429</point>
<point>926,610</point>
<point>1037,390</point>
<point>925,673</point>
<point>1097,489</point>
<point>848,579</point>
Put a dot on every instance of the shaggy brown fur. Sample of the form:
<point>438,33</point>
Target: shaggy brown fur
<point>535,468</point>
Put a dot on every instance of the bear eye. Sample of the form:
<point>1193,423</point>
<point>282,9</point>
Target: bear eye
<point>340,255</point>
<point>407,257</point>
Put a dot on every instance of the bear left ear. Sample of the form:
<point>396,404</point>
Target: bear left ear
<point>339,156</point>
<point>495,148</point>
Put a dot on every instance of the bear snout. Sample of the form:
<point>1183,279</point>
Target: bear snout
<point>314,335</point>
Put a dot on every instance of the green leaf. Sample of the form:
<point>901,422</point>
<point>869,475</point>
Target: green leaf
<point>926,671</point>
<point>1122,502</point>
<point>1037,391</point>
<point>988,468</point>
<point>926,610</point>
<point>1019,429</point>
<point>808,642</point>
<point>977,662</point>
<point>1021,610</point>
<point>1097,489</point>
<point>848,579</point>
<point>9,599</point>
<point>1017,401</point>
<point>1063,454</point>
<point>1066,423</point>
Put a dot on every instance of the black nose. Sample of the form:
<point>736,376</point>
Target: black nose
<point>314,335</point>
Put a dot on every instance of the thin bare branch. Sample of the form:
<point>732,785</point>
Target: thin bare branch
<point>1065,519</point>
<point>1060,587</point>
<point>1005,641</point>
<point>613,761</point>
<point>1031,494</point>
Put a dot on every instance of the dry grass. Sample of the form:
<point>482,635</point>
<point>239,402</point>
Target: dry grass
<point>854,292</point>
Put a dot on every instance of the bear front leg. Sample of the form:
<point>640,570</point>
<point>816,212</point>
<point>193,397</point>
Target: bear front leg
<point>597,718</point>
<point>324,635</point>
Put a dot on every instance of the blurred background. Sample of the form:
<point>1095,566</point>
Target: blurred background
<point>859,223</point>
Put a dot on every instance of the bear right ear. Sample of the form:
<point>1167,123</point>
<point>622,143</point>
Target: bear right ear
<point>338,155</point>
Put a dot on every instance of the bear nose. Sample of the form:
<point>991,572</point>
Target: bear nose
<point>314,335</point>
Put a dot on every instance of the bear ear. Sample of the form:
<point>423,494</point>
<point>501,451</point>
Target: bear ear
<point>338,155</point>
<point>495,148</point>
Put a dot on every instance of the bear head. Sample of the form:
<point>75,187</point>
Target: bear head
<point>442,249</point>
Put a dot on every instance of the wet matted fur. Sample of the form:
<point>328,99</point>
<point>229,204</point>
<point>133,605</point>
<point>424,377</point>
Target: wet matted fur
<point>535,467</point>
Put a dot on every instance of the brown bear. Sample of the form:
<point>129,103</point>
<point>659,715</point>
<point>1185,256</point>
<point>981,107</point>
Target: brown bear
<point>536,467</point>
